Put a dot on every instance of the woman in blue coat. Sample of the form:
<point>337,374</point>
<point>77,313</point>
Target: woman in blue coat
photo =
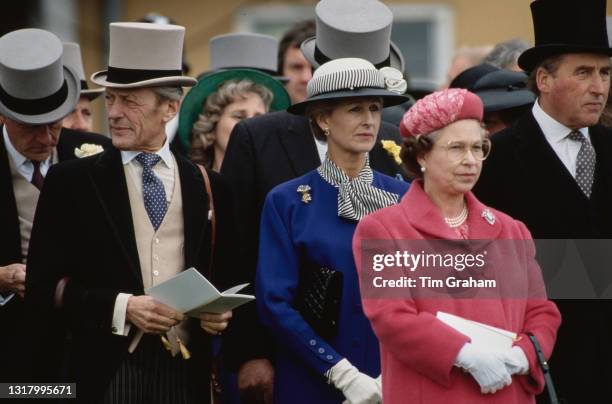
<point>308,223</point>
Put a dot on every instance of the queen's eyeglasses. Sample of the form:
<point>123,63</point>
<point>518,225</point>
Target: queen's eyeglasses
<point>457,151</point>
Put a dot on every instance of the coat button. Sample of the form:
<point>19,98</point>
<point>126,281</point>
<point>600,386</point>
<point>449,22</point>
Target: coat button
<point>313,342</point>
<point>114,329</point>
<point>321,350</point>
<point>156,272</point>
<point>329,357</point>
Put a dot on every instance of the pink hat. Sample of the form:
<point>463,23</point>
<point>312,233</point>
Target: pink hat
<point>440,109</point>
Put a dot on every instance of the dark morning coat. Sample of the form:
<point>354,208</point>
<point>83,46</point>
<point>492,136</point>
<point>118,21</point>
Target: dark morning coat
<point>262,153</point>
<point>96,247</point>
<point>10,240</point>
<point>524,178</point>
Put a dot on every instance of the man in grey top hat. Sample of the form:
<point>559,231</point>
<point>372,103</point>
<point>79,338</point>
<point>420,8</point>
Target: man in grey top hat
<point>82,116</point>
<point>36,92</point>
<point>268,150</point>
<point>137,218</point>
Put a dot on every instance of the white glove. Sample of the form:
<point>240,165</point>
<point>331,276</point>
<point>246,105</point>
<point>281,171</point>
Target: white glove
<point>379,383</point>
<point>486,367</point>
<point>516,361</point>
<point>358,388</point>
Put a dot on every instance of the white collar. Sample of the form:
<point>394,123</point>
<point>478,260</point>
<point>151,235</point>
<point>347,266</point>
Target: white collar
<point>553,130</point>
<point>164,153</point>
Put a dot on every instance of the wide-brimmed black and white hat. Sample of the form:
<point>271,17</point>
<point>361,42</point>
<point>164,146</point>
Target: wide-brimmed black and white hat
<point>144,55</point>
<point>35,87</point>
<point>72,58</point>
<point>353,77</point>
<point>353,29</point>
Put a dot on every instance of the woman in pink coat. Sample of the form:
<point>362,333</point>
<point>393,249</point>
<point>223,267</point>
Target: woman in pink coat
<point>424,360</point>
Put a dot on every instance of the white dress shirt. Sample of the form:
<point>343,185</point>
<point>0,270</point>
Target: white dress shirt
<point>556,134</point>
<point>321,148</point>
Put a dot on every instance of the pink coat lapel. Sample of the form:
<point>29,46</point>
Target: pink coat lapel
<point>427,218</point>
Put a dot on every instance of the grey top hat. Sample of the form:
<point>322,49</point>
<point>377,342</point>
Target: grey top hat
<point>35,87</point>
<point>144,55</point>
<point>244,50</point>
<point>350,78</point>
<point>72,58</point>
<point>353,28</point>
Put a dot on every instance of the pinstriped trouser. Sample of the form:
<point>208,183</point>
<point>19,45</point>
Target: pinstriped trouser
<point>151,375</point>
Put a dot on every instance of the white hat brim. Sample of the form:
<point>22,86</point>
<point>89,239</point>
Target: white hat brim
<point>180,81</point>
<point>308,49</point>
<point>72,98</point>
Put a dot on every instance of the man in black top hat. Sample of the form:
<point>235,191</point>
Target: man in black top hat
<point>552,170</point>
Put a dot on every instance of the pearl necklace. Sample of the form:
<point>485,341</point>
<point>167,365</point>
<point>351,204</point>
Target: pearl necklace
<point>457,220</point>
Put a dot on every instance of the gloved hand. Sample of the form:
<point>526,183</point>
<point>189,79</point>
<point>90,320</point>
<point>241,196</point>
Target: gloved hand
<point>516,361</point>
<point>486,367</point>
<point>358,388</point>
<point>379,383</point>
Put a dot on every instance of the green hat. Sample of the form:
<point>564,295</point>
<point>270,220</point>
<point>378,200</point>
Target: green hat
<point>191,107</point>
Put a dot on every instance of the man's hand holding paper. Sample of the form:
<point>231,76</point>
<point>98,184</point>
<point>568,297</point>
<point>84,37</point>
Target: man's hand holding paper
<point>151,316</point>
<point>215,323</point>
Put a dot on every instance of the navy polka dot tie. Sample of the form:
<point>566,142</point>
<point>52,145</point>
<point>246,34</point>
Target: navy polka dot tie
<point>585,162</point>
<point>152,189</point>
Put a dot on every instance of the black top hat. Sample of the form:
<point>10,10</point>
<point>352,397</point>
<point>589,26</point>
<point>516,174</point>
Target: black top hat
<point>566,26</point>
<point>498,89</point>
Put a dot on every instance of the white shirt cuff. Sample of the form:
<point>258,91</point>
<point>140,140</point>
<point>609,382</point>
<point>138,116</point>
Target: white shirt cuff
<point>5,299</point>
<point>120,326</point>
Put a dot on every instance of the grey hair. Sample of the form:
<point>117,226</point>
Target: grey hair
<point>505,54</point>
<point>168,93</point>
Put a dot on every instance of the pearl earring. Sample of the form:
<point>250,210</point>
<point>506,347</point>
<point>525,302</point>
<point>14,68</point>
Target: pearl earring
<point>422,169</point>
<point>326,131</point>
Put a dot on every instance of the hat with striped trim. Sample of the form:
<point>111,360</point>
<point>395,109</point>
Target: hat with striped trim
<point>353,77</point>
<point>144,55</point>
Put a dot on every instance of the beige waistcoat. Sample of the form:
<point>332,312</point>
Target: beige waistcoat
<point>161,252</point>
<point>26,198</point>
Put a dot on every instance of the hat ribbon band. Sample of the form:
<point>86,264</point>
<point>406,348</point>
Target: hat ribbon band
<point>126,76</point>
<point>321,58</point>
<point>36,106</point>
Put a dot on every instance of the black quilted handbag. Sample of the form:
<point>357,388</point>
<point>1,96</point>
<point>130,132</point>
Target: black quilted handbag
<point>319,297</point>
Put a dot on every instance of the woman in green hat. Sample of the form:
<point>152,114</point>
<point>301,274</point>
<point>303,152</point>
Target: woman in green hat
<point>219,101</point>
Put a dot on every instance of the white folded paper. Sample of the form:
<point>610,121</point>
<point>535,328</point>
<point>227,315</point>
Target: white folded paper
<point>191,293</point>
<point>483,335</point>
